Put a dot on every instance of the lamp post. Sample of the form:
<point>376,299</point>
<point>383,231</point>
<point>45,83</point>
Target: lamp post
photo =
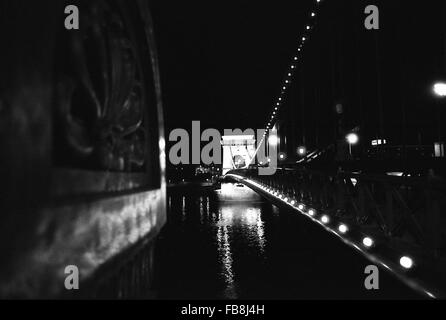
<point>352,139</point>
<point>439,89</point>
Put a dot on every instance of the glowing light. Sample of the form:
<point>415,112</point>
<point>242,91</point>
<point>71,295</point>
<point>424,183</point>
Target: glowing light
<point>430,295</point>
<point>237,137</point>
<point>406,262</point>
<point>308,27</point>
<point>343,228</point>
<point>352,138</point>
<point>286,199</point>
<point>162,144</point>
<point>301,151</point>
<point>273,140</point>
<point>368,242</point>
<point>311,212</point>
<point>282,156</point>
<point>378,142</point>
<point>301,207</point>
<point>325,219</point>
<point>440,89</point>
<point>293,202</point>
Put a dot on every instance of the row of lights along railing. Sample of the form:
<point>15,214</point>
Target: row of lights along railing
<point>341,229</point>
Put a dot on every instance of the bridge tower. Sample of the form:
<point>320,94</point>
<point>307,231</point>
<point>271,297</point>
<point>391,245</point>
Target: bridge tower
<point>238,150</point>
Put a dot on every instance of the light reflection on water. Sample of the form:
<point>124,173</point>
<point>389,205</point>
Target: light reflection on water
<point>234,217</point>
<point>237,218</point>
<point>225,257</point>
<point>183,207</point>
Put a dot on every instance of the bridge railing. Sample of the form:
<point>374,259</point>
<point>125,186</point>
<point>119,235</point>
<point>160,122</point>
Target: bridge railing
<point>399,208</point>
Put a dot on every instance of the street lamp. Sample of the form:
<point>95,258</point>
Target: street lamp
<point>352,139</point>
<point>440,89</point>
<point>282,156</point>
<point>301,151</point>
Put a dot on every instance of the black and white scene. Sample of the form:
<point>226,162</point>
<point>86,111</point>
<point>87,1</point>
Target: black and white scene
<point>222,152</point>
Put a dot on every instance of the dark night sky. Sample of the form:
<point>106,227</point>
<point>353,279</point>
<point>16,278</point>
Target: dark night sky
<point>223,62</point>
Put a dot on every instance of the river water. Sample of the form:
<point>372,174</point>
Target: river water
<point>233,244</point>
